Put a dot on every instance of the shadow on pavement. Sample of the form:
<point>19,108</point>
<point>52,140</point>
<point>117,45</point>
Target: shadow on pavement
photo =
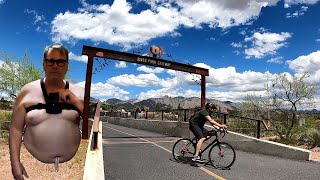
<point>188,160</point>
<point>185,160</point>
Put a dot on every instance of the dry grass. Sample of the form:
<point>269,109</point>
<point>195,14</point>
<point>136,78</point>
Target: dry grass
<point>71,170</point>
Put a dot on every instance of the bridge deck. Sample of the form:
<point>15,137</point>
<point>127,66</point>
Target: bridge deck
<point>135,154</point>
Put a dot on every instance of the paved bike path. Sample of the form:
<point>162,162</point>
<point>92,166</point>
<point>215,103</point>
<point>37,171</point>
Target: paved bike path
<point>134,154</point>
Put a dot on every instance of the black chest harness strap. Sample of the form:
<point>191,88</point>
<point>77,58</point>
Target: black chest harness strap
<point>52,106</point>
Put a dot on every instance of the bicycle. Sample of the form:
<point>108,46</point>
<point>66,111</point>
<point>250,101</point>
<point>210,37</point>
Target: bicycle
<point>221,154</point>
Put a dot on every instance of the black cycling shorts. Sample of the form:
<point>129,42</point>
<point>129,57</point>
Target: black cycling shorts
<point>198,131</point>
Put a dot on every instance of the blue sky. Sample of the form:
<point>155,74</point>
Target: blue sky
<point>243,43</point>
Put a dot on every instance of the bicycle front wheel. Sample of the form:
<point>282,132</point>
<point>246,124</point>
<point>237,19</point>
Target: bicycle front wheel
<point>183,149</point>
<point>222,155</point>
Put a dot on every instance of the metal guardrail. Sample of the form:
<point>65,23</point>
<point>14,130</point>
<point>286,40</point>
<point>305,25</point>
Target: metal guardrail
<point>258,121</point>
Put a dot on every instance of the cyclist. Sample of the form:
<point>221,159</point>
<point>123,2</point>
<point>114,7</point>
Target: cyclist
<point>196,125</point>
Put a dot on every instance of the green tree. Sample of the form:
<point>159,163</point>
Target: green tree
<point>136,109</point>
<point>179,107</point>
<point>15,73</point>
<point>167,108</point>
<point>106,107</point>
<point>280,105</point>
<point>158,107</point>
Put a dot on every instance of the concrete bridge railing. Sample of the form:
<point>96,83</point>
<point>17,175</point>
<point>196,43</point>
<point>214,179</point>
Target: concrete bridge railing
<point>94,167</point>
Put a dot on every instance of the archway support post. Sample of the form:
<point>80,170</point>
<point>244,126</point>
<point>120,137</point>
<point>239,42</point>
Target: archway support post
<point>203,91</point>
<point>85,124</point>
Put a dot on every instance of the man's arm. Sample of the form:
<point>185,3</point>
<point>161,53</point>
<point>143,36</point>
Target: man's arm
<point>215,123</point>
<point>15,137</point>
<point>74,95</point>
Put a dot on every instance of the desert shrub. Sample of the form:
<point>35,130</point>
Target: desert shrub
<point>311,137</point>
<point>5,119</point>
<point>4,105</point>
<point>242,126</point>
<point>314,138</point>
<point>5,116</point>
<point>308,134</point>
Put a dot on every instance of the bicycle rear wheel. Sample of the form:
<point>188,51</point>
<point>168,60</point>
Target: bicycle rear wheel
<point>222,155</point>
<point>183,149</point>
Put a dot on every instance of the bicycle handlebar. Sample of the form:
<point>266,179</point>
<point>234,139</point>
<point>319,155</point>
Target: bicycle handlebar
<point>221,130</point>
<point>224,131</point>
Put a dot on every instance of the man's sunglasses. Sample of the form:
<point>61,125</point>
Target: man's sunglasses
<point>59,62</point>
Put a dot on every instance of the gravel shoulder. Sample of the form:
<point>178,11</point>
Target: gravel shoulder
<point>315,155</point>
<point>71,170</point>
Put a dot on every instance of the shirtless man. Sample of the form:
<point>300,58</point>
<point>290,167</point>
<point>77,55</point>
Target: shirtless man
<point>49,110</point>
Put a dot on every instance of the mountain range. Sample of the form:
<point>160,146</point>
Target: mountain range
<point>182,103</point>
<point>173,102</point>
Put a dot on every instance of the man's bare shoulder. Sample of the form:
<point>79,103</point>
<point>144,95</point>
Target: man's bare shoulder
<point>25,91</point>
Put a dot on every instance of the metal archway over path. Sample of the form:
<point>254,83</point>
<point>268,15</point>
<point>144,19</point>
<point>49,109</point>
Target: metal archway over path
<point>92,52</point>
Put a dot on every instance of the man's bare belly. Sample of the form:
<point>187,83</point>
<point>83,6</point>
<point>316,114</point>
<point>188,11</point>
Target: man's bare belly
<point>51,136</point>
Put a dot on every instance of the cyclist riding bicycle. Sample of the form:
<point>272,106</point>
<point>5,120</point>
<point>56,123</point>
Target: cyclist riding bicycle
<point>196,125</point>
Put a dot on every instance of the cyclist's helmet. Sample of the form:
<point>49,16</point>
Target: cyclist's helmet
<point>210,105</point>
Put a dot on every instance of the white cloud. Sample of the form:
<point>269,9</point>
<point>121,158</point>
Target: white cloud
<point>114,24</point>
<point>158,93</point>
<point>224,13</point>
<point>37,17</point>
<point>121,64</point>
<point>317,40</point>
<point>141,80</point>
<point>277,60</point>
<point>202,65</point>
<point>2,1</point>
<point>150,70</point>
<point>221,79</point>
<point>297,13</point>
<point>236,45</point>
<point>106,91</point>
<point>288,3</point>
<point>265,43</point>
<point>176,44</point>
<point>175,34</point>
<point>211,39</point>
<point>39,20</point>
<point>117,25</point>
<point>232,96</point>
<point>82,58</point>
<point>227,79</point>
<point>224,84</point>
<point>180,79</point>
<point>168,92</point>
<point>307,64</point>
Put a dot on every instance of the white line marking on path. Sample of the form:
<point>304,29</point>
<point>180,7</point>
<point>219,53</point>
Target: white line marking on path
<point>133,142</point>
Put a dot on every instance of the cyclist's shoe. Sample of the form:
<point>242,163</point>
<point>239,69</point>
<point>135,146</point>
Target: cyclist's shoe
<point>198,159</point>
